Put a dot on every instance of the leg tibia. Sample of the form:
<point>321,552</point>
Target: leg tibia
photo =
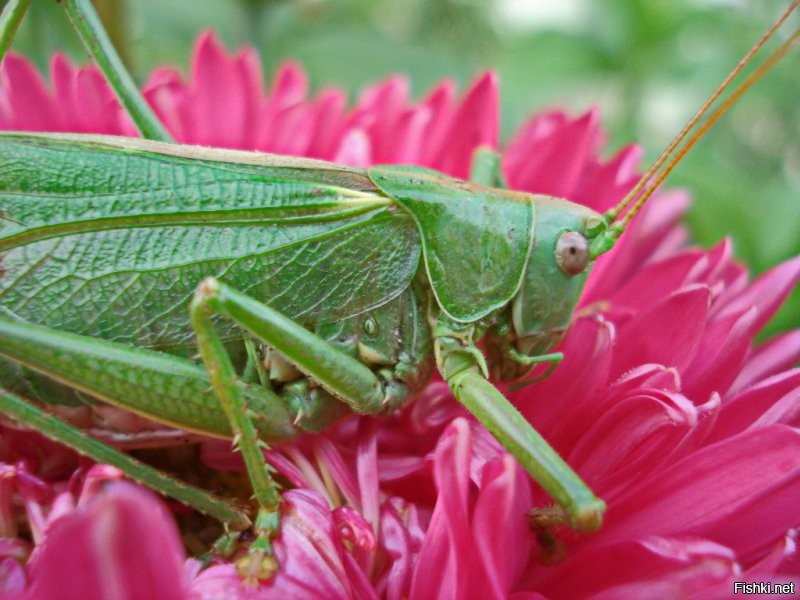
<point>19,410</point>
<point>511,429</point>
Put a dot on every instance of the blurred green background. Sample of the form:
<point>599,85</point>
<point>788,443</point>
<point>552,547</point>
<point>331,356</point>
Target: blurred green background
<point>648,65</point>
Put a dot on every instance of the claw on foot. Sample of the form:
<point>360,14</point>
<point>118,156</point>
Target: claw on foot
<point>256,567</point>
<point>544,521</point>
<point>260,564</point>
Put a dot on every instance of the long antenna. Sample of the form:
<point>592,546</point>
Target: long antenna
<point>751,80</point>
<point>778,54</point>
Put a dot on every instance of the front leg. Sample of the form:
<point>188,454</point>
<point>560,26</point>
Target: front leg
<point>462,367</point>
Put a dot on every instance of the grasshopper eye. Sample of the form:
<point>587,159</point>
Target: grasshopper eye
<point>572,252</point>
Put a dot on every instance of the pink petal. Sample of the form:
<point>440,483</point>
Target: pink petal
<point>720,356</point>
<point>121,544</point>
<point>341,471</point>
<point>668,332</point>
<point>13,580</point>
<point>247,66</point>
<point>409,136</point>
<point>87,103</point>
<point>367,469</point>
<point>767,292</point>
<point>474,124</point>
<point>450,568</point>
<point>604,185</point>
<point>329,121</point>
<point>653,234</point>
<point>314,563</point>
<point>376,113</point>
<point>645,567</point>
<point>168,95</point>
<point>632,440</point>
<point>101,112</point>
<point>219,96</point>
<point>353,528</point>
<point>747,408</point>
<point>707,415</point>
<point>575,384</point>
<point>440,105</point>
<point>503,503</point>
<point>355,149</point>
<point>289,86</point>
<point>643,377</point>
<point>650,285</point>
<point>553,165</point>
<point>28,104</point>
<point>293,131</point>
<point>63,74</point>
<point>770,358</point>
<point>755,477</point>
<point>402,538</point>
<point>521,150</point>
<point>432,410</point>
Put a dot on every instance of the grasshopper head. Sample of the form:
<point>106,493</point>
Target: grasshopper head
<point>565,239</point>
<point>568,237</point>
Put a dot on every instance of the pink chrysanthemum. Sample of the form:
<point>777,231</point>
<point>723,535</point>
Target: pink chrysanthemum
<point>663,403</point>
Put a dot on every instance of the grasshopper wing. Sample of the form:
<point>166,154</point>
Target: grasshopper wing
<point>109,237</point>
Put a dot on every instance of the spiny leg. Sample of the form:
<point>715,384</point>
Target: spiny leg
<point>260,563</point>
<point>170,389</point>
<point>343,376</point>
<point>22,411</point>
<point>457,360</point>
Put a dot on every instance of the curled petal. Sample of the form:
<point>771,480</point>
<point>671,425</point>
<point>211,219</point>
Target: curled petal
<point>120,544</point>
<point>656,567</point>
<point>550,154</point>
<point>574,385</point>
<point>651,336</point>
<point>474,124</point>
<point>747,473</point>
<point>28,104</point>
<point>774,400</point>
<point>768,359</point>
<point>634,437</point>
<point>314,562</point>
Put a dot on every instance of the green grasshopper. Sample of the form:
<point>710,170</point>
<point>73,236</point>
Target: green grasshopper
<point>323,289</point>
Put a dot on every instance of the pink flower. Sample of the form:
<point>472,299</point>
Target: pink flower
<point>664,403</point>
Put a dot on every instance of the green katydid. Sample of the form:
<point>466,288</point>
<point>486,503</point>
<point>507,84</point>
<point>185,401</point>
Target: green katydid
<point>334,288</point>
